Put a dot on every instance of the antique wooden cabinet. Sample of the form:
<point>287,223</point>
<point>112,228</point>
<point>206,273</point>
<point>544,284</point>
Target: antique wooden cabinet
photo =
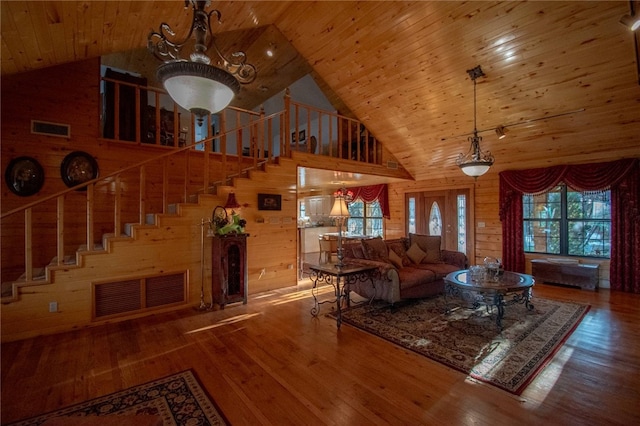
<point>582,275</point>
<point>229,274</point>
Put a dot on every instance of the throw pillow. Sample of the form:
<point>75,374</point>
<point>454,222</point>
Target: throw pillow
<point>430,244</point>
<point>415,253</point>
<point>395,259</point>
<point>358,253</point>
<point>375,249</point>
<point>400,250</point>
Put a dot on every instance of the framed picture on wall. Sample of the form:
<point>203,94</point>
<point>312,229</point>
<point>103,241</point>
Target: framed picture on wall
<point>269,202</point>
<point>299,137</point>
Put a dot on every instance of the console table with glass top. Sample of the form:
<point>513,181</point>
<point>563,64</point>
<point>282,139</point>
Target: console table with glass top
<point>341,278</point>
<point>507,289</point>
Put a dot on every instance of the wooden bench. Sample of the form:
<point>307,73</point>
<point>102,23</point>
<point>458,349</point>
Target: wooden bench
<point>583,275</point>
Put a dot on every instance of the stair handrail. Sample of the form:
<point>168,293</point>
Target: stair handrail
<point>172,152</point>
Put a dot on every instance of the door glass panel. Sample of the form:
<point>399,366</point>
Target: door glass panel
<point>435,220</point>
<point>412,215</point>
<point>462,223</point>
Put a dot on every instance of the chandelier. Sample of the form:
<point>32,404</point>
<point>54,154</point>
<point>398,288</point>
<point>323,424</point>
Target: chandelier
<point>195,84</point>
<point>475,162</point>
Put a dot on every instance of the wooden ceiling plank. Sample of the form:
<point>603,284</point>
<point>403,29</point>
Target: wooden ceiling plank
<point>29,52</point>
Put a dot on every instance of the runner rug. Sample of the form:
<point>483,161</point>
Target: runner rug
<point>176,400</point>
<point>469,339</point>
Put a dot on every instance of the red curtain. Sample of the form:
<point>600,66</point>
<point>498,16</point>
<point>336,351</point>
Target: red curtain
<point>622,177</point>
<point>371,193</point>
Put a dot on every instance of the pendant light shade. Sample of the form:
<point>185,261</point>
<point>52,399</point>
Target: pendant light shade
<point>198,87</point>
<point>195,84</point>
<point>475,162</point>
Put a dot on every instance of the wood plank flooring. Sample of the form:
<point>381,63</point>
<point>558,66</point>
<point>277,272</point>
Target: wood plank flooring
<point>271,363</point>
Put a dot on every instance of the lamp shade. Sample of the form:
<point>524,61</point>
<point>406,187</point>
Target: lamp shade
<point>232,203</point>
<point>339,208</point>
<point>198,87</point>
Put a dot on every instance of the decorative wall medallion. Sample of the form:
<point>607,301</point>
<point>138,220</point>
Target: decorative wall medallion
<point>78,167</point>
<point>24,176</point>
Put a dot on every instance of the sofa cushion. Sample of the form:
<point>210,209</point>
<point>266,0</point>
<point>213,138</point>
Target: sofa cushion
<point>395,259</point>
<point>413,277</point>
<point>430,244</point>
<point>440,270</point>
<point>415,253</point>
<point>399,248</point>
<point>375,249</point>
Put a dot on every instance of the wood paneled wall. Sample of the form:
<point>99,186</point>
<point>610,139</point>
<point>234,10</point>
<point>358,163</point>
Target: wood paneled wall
<point>70,94</point>
<point>484,240</point>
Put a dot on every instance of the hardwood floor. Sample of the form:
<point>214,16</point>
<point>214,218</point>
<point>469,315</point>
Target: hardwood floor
<point>271,363</point>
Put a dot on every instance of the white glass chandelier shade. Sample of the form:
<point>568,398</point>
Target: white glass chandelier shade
<point>198,87</point>
<point>475,169</point>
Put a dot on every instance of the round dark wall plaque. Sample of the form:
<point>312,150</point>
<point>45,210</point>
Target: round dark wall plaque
<point>78,167</point>
<point>24,176</point>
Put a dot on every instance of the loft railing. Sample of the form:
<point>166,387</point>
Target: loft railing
<point>320,132</point>
<point>147,115</point>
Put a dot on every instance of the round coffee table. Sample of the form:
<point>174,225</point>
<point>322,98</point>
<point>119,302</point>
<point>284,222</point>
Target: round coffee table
<point>508,289</point>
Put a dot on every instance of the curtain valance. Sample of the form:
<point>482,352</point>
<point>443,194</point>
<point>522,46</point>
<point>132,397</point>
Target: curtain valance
<point>371,193</point>
<point>622,177</point>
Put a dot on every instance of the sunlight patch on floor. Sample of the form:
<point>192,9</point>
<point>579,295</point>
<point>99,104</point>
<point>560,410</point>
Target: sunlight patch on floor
<point>225,321</point>
<point>301,295</point>
<point>548,376</point>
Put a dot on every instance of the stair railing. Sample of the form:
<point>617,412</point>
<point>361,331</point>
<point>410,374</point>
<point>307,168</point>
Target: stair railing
<point>112,185</point>
<point>256,143</point>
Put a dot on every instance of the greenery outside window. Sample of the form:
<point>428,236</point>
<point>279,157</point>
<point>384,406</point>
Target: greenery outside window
<point>365,218</point>
<point>567,222</point>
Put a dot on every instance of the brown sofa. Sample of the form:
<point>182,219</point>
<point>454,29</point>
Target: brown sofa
<point>408,268</point>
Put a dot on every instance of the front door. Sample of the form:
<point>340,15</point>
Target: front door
<point>441,213</point>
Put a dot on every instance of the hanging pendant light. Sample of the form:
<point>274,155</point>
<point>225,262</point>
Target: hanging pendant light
<point>195,84</point>
<point>475,162</point>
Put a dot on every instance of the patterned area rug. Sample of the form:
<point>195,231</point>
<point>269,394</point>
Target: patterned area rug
<point>470,341</point>
<point>179,399</point>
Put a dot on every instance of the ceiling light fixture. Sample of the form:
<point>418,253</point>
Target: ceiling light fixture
<point>194,84</point>
<point>630,21</point>
<point>475,162</point>
<point>501,131</point>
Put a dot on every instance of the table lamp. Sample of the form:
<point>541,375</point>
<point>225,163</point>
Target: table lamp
<point>340,212</point>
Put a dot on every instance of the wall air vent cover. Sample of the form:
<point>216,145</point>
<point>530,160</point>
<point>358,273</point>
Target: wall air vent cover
<point>50,129</point>
<point>392,165</point>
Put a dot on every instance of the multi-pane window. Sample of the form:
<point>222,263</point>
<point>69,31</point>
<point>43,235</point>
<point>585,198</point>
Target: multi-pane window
<point>365,218</point>
<point>567,222</point>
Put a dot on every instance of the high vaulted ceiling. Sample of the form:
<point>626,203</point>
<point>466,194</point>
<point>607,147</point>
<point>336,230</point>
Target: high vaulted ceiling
<point>400,67</point>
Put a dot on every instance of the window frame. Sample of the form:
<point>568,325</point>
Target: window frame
<point>366,217</point>
<point>563,222</point>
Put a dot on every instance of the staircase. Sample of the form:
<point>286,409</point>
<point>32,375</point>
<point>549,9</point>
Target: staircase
<point>215,191</point>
